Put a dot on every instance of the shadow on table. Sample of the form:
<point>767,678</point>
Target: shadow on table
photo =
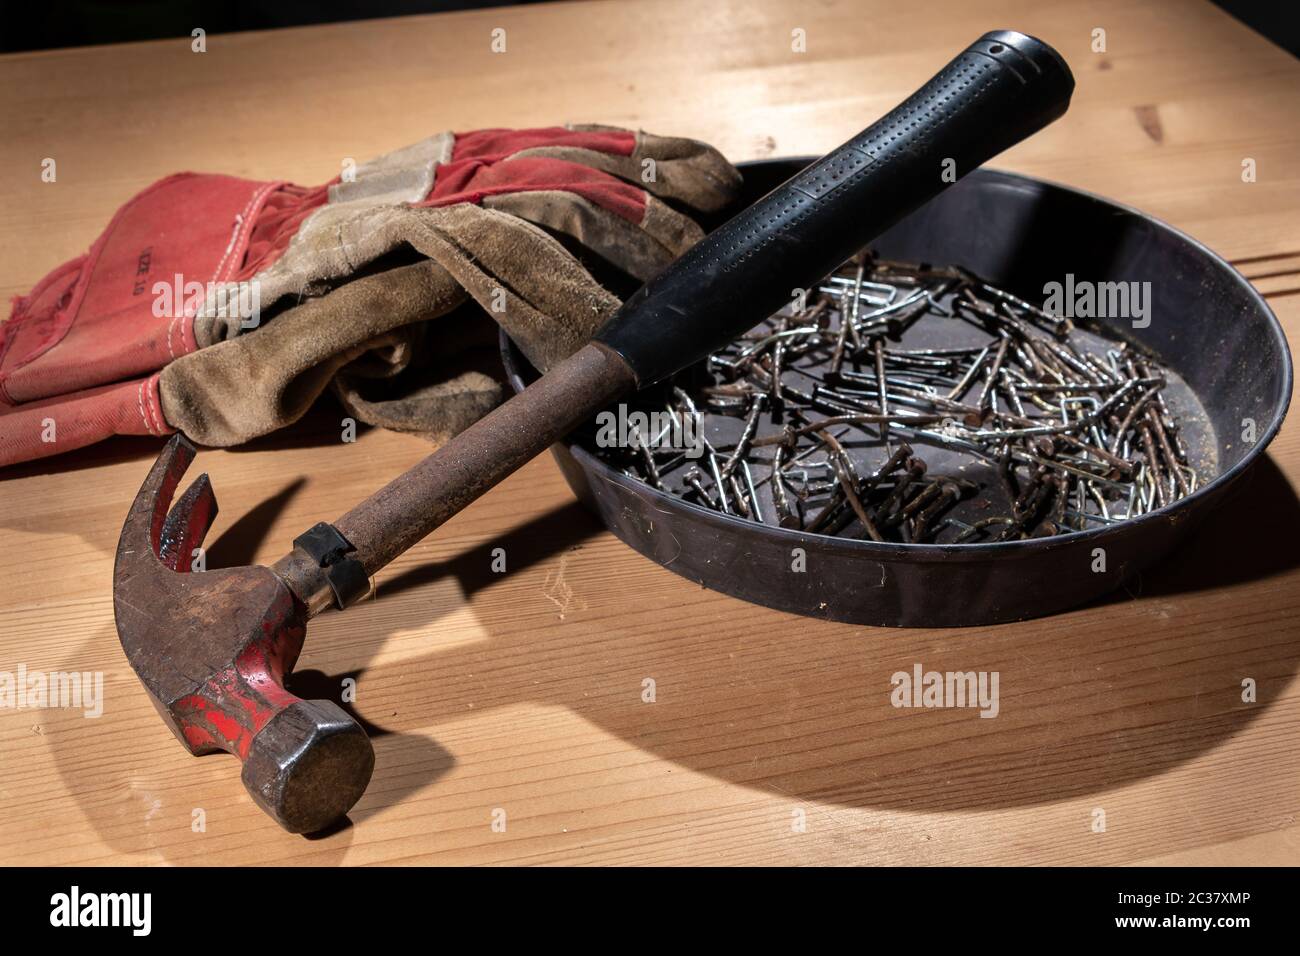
<point>801,708</point>
<point>1250,536</point>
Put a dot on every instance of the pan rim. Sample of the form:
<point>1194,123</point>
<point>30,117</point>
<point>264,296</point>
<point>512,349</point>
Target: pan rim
<point>1173,513</point>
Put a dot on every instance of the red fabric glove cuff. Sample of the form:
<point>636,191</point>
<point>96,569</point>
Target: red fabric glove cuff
<point>99,318</point>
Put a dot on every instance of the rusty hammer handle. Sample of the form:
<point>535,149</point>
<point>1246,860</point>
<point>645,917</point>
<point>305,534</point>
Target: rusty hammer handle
<point>1002,88</point>
<point>409,507</point>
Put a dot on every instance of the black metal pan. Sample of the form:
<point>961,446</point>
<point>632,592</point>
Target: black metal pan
<point>1208,326</point>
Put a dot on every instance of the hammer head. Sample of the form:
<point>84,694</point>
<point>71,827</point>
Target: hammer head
<point>212,649</point>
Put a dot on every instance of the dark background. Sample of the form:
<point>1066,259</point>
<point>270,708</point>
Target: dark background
<point>36,25</point>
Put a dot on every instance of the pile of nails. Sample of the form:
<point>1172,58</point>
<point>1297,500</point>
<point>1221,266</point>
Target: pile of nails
<point>1074,439</point>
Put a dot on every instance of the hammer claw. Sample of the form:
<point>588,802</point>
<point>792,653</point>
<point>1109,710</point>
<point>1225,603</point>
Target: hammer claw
<point>142,533</point>
<point>187,524</point>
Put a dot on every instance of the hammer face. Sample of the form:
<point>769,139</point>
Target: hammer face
<point>309,765</point>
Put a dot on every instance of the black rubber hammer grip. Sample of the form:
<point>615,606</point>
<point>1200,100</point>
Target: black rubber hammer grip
<point>999,90</point>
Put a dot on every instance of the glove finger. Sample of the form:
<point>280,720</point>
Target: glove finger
<point>671,167</point>
<point>486,146</point>
<point>619,221</point>
<point>265,379</point>
<point>641,249</point>
<point>521,276</point>
<point>432,402</point>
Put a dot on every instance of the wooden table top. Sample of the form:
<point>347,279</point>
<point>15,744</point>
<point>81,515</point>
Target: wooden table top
<point>522,692</point>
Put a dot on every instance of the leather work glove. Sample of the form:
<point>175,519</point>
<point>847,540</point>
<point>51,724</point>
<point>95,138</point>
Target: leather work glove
<point>223,307</point>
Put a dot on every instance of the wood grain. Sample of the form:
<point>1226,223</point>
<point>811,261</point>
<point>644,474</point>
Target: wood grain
<point>523,691</point>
